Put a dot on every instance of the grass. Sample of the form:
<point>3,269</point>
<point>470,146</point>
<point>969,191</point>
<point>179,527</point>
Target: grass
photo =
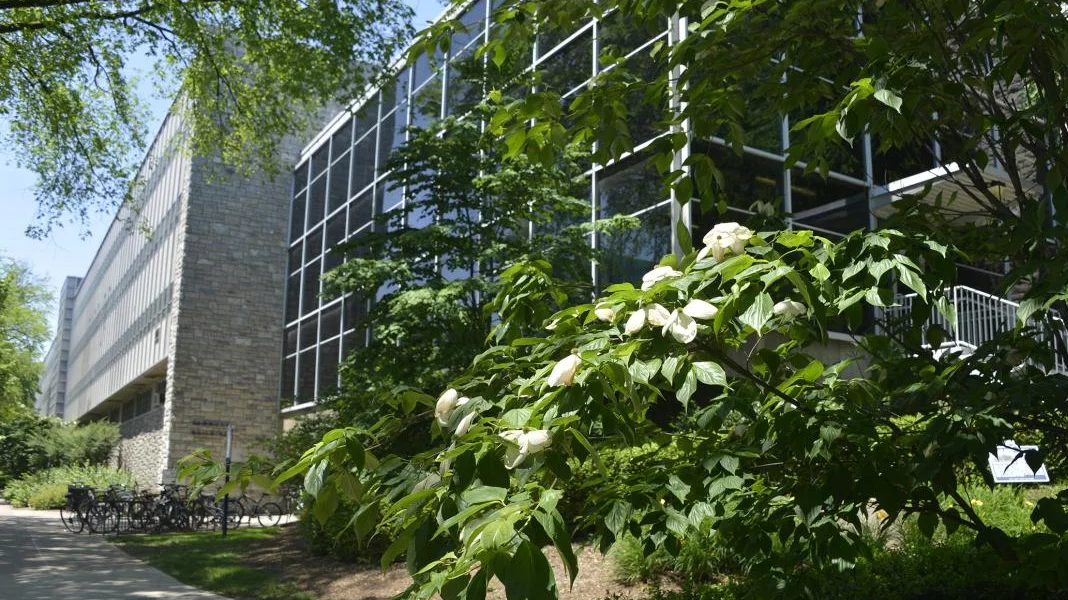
<point>208,561</point>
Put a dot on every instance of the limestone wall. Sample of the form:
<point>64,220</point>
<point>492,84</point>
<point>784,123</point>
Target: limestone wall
<point>140,451</point>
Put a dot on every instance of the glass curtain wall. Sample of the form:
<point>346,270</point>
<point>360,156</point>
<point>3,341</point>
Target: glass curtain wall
<point>340,186</point>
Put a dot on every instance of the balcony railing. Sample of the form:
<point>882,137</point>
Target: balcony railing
<point>977,318</point>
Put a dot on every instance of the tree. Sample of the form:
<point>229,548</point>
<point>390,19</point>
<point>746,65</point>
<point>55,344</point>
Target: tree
<point>251,73</point>
<point>432,264</point>
<point>780,455</point>
<point>24,302</point>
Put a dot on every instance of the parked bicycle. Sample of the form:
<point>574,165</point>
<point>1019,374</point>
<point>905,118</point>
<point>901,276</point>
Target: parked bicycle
<point>267,512</point>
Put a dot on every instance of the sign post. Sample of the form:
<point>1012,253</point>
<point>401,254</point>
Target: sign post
<point>226,478</point>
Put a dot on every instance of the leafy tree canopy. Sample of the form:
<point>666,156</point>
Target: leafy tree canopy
<point>251,73</point>
<point>24,301</point>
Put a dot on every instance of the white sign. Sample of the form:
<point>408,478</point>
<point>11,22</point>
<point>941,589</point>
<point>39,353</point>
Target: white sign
<point>1009,466</point>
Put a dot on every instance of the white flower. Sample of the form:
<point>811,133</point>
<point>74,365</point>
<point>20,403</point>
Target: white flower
<point>724,237</point>
<point>656,315</point>
<point>552,324</point>
<point>564,371</point>
<point>525,444</point>
<point>658,274</point>
<point>465,423</point>
<point>447,403</point>
<point>699,309</point>
<point>635,322</point>
<point>681,326</point>
<point>789,309</point>
<point>605,312</point>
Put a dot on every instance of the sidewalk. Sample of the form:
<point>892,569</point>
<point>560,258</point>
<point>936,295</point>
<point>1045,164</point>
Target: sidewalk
<point>40,560</point>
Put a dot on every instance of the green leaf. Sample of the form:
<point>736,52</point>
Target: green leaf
<point>678,487</point>
<point>325,504</point>
<point>618,516</point>
<point>313,480</point>
<point>758,313</point>
<point>688,387</point>
<point>485,493</point>
<point>912,279</point>
<point>889,98</point>
<point>928,522</point>
<point>516,418</point>
<point>709,373</point>
<point>553,524</point>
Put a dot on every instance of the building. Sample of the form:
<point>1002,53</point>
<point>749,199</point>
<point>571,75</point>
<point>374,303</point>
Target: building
<point>340,184</point>
<point>52,397</point>
<point>173,332</point>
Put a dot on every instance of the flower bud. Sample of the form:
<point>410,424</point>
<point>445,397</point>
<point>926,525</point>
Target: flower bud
<point>635,322</point>
<point>658,274</point>
<point>605,312</point>
<point>445,405</point>
<point>699,309</point>
<point>657,315</point>
<point>564,371</point>
<point>789,309</point>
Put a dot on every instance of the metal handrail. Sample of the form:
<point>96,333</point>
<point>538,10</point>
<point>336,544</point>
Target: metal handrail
<point>978,318</point>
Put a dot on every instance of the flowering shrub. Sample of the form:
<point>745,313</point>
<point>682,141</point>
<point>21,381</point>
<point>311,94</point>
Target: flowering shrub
<point>782,455</point>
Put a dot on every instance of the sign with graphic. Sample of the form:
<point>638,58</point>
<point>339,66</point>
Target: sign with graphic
<point>1009,465</point>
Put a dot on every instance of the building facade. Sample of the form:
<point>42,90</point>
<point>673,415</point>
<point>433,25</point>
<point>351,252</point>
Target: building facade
<point>341,185</point>
<point>52,395</point>
<point>173,331</point>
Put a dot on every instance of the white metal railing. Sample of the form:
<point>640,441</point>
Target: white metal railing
<point>977,317</point>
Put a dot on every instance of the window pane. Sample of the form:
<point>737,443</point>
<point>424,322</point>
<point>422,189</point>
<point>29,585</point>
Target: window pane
<point>292,298</point>
<point>330,322</point>
<point>341,140</point>
<point>569,66</point>
<point>366,118</point>
<point>363,167</point>
<point>630,254</point>
<point>627,187</point>
<point>339,183</point>
<point>812,190</point>
<point>310,294</point>
<point>290,346</point>
<point>306,376</point>
<point>313,245</point>
<point>317,201</point>
<point>289,377</point>
<point>747,178</point>
<point>319,160</point>
<point>328,359</point>
<point>360,211</point>
<point>296,224</point>
<point>308,332</point>
<point>300,177</point>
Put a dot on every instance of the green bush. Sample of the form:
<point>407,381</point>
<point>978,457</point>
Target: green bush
<point>337,538</point>
<point>19,491</point>
<point>53,495</point>
<point>18,454</point>
<point>72,444</point>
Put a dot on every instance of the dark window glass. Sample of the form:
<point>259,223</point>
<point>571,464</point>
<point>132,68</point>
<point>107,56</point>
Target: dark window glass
<point>388,138</point>
<point>422,70</point>
<point>841,157</point>
<point>352,340</point>
<point>308,332</point>
<point>646,104</point>
<point>295,257</point>
<point>810,191</point>
<point>291,341</point>
<point>570,66</point>
<point>306,376</point>
<point>296,224</point>
<point>360,211</point>
<point>618,35</point>
<point>890,164</point>
<point>328,359</point>
<point>316,201</point>
<point>341,140</point>
<point>320,160</point>
<point>747,178</point>
<point>335,234</point>
<point>289,377</point>
<point>627,187</point>
<point>339,183</point>
<point>630,254</point>
<point>300,177</point>
<point>465,89</point>
<point>310,296</point>
<point>363,167</point>
<point>426,104</point>
<point>313,245</point>
<point>843,218</point>
<point>292,298</point>
<point>330,322</point>
<point>366,117</point>
<point>355,312</point>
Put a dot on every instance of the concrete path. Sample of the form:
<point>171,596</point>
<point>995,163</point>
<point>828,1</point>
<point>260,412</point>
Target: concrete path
<point>40,560</point>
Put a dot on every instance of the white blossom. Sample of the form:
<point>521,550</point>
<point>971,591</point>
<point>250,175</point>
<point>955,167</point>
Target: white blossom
<point>699,309</point>
<point>447,403</point>
<point>523,444</point>
<point>656,315</point>
<point>552,324</point>
<point>789,309</point>
<point>658,274</point>
<point>681,326</point>
<point>564,371</point>
<point>605,312</point>
<point>725,237</point>
<point>465,423</point>
<point>635,322</point>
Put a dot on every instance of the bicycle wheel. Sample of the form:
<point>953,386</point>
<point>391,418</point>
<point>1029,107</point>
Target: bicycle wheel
<point>269,514</point>
<point>137,515</point>
<point>72,519</point>
<point>102,519</point>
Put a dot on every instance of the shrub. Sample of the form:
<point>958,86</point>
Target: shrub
<point>19,491</point>
<point>71,444</point>
<point>18,455</point>
<point>337,538</point>
<point>53,495</point>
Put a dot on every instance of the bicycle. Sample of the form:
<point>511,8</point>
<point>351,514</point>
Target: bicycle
<point>73,513</point>
<point>207,510</point>
<point>267,512</point>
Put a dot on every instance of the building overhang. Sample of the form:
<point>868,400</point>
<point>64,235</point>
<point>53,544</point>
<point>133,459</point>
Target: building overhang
<point>947,187</point>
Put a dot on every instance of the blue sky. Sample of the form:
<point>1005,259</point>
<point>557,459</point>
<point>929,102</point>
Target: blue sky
<point>66,252</point>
